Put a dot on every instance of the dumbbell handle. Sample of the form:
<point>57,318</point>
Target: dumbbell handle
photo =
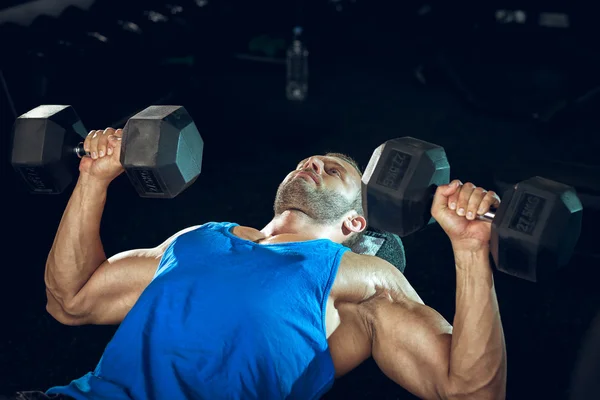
<point>79,151</point>
<point>488,216</point>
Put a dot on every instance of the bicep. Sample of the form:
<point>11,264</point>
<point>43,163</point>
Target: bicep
<point>411,345</point>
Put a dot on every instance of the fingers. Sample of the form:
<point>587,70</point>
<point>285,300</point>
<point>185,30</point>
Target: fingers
<point>462,200</point>
<point>471,201</point>
<point>99,143</point>
<point>103,141</point>
<point>491,199</point>
<point>443,193</point>
<point>453,198</point>
<point>467,200</point>
<point>474,202</point>
<point>87,143</point>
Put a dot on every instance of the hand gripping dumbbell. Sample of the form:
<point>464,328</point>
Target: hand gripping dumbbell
<point>534,231</point>
<point>161,149</point>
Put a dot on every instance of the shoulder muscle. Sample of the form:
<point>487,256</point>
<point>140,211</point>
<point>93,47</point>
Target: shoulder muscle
<point>361,277</point>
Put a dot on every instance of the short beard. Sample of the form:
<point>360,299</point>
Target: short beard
<point>323,206</point>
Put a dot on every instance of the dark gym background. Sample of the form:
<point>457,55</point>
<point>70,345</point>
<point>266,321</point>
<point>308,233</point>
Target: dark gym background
<point>508,94</point>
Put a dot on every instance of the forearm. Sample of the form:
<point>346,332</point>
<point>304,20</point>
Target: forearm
<point>77,250</point>
<point>478,353</point>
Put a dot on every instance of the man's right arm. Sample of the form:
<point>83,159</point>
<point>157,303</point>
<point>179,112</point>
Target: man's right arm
<point>83,286</point>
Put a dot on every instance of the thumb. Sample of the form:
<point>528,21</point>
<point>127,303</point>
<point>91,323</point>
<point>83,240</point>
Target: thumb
<point>443,192</point>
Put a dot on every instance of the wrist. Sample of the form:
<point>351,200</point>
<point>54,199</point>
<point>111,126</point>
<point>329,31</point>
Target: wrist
<point>91,184</point>
<point>470,246</point>
<point>472,257</point>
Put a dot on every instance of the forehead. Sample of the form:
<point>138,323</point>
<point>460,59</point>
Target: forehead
<point>328,159</point>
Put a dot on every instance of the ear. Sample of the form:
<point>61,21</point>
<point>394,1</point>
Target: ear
<point>354,224</point>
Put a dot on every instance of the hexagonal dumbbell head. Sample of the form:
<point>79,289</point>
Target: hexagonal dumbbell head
<point>399,182</point>
<point>536,228</point>
<point>44,140</point>
<point>161,151</point>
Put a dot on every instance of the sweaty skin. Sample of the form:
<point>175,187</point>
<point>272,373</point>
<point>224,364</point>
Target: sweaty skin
<point>372,310</point>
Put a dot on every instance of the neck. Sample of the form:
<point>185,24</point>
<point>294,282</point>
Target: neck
<point>295,222</point>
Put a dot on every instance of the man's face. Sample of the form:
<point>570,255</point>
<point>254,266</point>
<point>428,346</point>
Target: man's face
<point>322,187</point>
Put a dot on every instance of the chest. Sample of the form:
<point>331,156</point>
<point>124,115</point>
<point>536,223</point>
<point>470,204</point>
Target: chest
<point>273,276</point>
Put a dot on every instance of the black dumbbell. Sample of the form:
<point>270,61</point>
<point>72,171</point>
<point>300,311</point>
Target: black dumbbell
<point>75,38</point>
<point>161,149</point>
<point>123,39</point>
<point>108,39</point>
<point>56,34</point>
<point>66,52</point>
<point>161,33</point>
<point>534,231</point>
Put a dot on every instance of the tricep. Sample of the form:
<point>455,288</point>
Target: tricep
<point>111,291</point>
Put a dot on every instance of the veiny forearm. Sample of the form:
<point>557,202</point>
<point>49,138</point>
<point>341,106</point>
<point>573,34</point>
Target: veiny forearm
<point>478,352</point>
<point>77,250</point>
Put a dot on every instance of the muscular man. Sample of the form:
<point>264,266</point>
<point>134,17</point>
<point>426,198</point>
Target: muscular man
<point>222,311</point>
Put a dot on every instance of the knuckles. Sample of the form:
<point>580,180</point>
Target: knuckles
<point>465,188</point>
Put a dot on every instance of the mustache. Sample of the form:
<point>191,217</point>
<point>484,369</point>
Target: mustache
<point>312,174</point>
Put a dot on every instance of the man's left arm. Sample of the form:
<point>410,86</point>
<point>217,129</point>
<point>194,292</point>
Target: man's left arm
<point>419,350</point>
<point>414,345</point>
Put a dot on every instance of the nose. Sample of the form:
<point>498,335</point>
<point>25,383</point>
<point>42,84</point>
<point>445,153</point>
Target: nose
<point>315,164</point>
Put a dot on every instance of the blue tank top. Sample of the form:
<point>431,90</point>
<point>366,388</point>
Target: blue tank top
<point>223,318</point>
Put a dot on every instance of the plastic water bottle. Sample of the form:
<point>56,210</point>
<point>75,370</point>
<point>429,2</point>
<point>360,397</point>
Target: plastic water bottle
<point>297,68</point>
